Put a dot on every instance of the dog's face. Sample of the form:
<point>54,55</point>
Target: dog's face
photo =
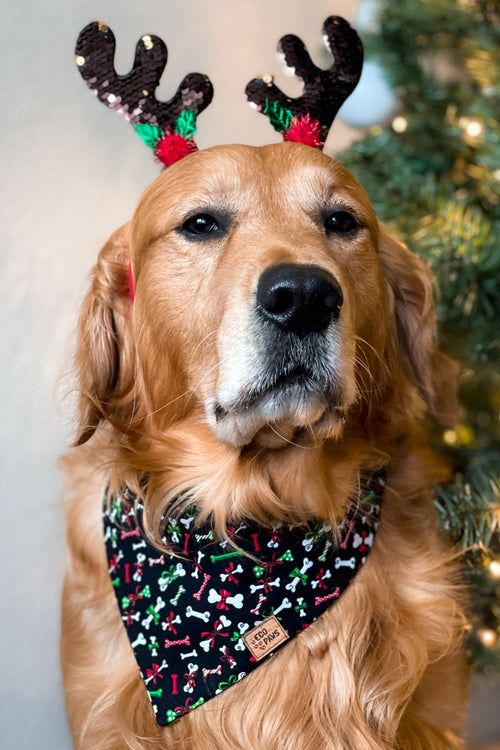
<point>268,300</point>
<point>267,260</point>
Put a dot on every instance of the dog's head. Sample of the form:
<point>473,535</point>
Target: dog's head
<point>269,301</point>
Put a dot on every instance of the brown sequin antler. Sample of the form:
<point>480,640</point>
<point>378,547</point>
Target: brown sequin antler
<point>167,127</point>
<point>308,118</point>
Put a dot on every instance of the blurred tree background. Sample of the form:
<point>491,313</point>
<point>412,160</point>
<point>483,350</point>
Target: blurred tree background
<point>430,162</point>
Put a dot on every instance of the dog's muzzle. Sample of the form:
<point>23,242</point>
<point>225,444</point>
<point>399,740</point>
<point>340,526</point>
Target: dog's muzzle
<point>287,366</point>
<point>298,298</point>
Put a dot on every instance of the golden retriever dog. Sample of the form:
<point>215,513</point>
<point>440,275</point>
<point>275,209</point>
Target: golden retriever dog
<point>280,345</point>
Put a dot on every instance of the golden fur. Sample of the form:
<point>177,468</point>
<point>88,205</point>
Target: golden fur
<point>381,669</point>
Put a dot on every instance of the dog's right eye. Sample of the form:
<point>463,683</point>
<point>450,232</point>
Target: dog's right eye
<point>341,222</point>
<point>201,225</point>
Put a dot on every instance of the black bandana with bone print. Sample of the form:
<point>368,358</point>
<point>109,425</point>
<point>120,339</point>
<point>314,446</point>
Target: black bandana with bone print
<point>203,617</point>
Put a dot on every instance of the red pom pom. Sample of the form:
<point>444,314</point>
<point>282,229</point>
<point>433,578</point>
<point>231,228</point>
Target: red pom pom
<point>173,147</point>
<point>305,130</point>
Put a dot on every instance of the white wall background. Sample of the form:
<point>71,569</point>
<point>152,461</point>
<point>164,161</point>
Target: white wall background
<point>71,172</point>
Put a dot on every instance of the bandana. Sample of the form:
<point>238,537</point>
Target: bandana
<point>204,614</point>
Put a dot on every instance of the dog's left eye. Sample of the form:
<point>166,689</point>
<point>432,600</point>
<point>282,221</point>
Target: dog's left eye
<point>340,222</point>
<point>201,225</point>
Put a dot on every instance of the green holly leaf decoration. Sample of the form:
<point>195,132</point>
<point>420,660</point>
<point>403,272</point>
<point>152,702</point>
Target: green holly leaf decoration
<point>150,134</point>
<point>185,125</point>
<point>279,116</point>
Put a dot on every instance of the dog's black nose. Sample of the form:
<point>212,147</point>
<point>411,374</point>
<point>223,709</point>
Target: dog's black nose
<point>299,297</point>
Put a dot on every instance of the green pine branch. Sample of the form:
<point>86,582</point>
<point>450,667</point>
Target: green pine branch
<point>437,186</point>
<point>468,507</point>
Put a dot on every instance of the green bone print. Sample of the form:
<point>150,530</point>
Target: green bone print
<point>231,681</point>
<point>172,715</point>
<point>154,614</point>
<point>260,569</point>
<point>153,645</point>
<point>156,693</point>
<point>225,556</point>
<point>170,575</point>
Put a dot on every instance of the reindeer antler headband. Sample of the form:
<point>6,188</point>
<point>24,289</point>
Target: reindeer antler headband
<point>308,118</point>
<point>168,127</point>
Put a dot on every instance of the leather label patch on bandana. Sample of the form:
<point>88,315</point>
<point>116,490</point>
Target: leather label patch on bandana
<point>265,638</point>
<point>205,612</point>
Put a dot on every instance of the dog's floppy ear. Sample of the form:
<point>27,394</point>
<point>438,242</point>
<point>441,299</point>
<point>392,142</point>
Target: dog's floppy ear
<point>410,285</point>
<point>105,351</point>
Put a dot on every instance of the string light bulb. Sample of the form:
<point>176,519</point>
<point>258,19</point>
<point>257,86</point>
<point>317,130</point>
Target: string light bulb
<point>473,128</point>
<point>487,636</point>
<point>450,437</point>
<point>399,124</point>
<point>494,568</point>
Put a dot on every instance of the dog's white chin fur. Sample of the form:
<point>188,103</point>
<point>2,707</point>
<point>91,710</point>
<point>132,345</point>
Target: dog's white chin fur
<point>285,417</point>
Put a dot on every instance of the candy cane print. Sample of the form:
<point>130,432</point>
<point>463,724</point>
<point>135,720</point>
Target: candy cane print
<point>204,537</point>
<point>181,590</point>
<point>185,642</point>
<point>206,578</point>
<point>323,555</point>
<point>334,595</point>
<point>349,532</point>
<point>207,672</point>
<point>156,561</point>
<point>255,610</point>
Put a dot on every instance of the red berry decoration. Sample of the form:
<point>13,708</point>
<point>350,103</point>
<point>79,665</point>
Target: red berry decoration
<point>173,147</point>
<point>305,130</point>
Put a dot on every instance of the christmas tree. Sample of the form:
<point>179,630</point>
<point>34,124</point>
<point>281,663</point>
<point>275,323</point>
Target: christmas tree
<point>433,175</point>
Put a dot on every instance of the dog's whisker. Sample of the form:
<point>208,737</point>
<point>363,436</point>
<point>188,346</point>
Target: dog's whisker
<point>136,371</point>
<point>208,372</point>
<point>360,363</point>
<point>200,344</point>
<point>190,392</point>
<point>290,442</point>
<point>377,354</point>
